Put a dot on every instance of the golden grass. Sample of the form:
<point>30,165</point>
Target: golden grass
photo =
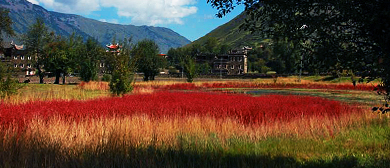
<point>142,131</point>
<point>47,92</point>
<point>93,85</point>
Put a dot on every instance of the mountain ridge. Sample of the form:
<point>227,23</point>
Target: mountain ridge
<point>231,34</point>
<point>24,14</point>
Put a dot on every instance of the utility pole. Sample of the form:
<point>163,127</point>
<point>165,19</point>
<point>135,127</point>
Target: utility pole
<point>300,70</point>
<point>220,69</point>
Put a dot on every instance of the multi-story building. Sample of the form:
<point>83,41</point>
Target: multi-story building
<point>17,57</point>
<point>233,63</point>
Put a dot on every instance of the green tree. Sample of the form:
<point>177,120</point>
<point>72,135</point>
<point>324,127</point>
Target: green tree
<point>123,66</point>
<point>286,55</point>
<point>5,25</point>
<point>35,40</point>
<point>60,55</point>
<point>148,61</point>
<point>190,68</point>
<point>8,85</point>
<point>211,45</point>
<point>89,59</point>
<point>204,68</point>
<point>224,49</point>
<point>333,34</point>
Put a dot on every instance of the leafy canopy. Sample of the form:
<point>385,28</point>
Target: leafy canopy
<point>333,34</point>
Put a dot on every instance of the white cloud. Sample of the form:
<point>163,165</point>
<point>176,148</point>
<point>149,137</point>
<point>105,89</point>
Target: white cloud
<point>141,12</point>
<point>34,2</point>
<point>115,21</point>
<point>72,6</point>
<point>153,12</point>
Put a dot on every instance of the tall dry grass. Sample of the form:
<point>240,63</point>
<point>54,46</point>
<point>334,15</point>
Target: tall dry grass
<point>47,92</point>
<point>143,131</point>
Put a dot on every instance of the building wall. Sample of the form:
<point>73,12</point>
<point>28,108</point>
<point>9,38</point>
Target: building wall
<point>234,63</point>
<point>21,63</point>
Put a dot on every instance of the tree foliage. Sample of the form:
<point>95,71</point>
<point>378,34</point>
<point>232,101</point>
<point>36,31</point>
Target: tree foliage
<point>123,66</point>
<point>148,61</point>
<point>190,68</point>
<point>8,85</point>
<point>89,60</point>
<point>35,40</point>
<point>333,34</point>
<point>5,25</point>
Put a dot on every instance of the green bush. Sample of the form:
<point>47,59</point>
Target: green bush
<point>106,78</point>
<point>8,85</point>
<point>121,83</point>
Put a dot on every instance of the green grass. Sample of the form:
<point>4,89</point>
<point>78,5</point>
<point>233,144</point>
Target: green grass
<point>331,79</point>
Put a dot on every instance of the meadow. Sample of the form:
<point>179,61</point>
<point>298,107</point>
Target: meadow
<point>256,123</point>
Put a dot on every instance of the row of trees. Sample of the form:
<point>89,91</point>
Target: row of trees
<point>62,56</point>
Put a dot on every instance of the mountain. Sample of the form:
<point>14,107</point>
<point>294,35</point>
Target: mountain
<point>230,34</point>
<point>24,13</point>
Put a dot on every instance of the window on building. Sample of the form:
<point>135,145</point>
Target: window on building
<point>226,66</point>
<point>29,57</point>
<point>21,65</point>
<point>28,65</point>
<point>240,67</point>
<point>232,67</point>
<point>22,57</point>
<point>15,65</point>
<point>101,64</point>
<point>15,57</point>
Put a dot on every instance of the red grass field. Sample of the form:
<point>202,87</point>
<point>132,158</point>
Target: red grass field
<point>245,109</point>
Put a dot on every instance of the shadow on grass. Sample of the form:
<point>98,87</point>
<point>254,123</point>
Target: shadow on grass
<point>327,79</point>
<point>152,157</point>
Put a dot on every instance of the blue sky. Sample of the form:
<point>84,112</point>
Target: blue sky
<point>190,18</point>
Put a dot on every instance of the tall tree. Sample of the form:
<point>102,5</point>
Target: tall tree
<point>148,61</point>
<point>60,55</point>
<point>88,60</point>
<point>211,45</point>
<point>340,34</point>
<point>35,40</point>
<point>8,86</point>
<point>123,66</point>
<point>5,25</point>
<point>190,68</point>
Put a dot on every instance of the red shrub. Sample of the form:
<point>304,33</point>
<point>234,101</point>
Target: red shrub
<point>246,109</point>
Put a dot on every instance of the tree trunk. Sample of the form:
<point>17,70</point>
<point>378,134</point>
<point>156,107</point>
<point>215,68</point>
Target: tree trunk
<point>57,81</point>
<point>146,77</point>
<point>63,79</point>
<point>40,74</point>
